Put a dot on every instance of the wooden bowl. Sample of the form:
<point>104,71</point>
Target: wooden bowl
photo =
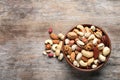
<point>100,65</point>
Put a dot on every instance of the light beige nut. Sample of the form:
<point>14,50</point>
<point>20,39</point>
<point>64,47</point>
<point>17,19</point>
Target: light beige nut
<point>54,47</point>
<point>57,52</point>
<point>68,56</point>
<point>78,57</point>
<point>81,28</point>
<point>59,45</point>
<point>48,51</point>
<point>90,61</point>
<point>61,36</point>
<point>72,56</point>
<point>102,58</point>
<point>48,41</point>
<point>94,66</point>
<point>100,46</point>
<point>91,37</point>
<point>72,35</point>
<point>67,41</point>
<point>80,43</point>
<point>95,41</point>
<point>82,63</point>
<point>92,28</point>
<point>87,34</point>
<point>60,57</point>
<point>106,51</point>
<point>96,61</point>
<point>74,47</point>
<point>76,30</point>
<point>80,33</point>
<point>98,34</point>
<point>87,54</point>
<point>75,63</point>
<point>54,36</point>
<point>55,41</point>
<point>44,53</point>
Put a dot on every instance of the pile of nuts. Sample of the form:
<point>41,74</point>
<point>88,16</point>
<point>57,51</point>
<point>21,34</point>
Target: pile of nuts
<point>86,47</point>
<point>53,46</point>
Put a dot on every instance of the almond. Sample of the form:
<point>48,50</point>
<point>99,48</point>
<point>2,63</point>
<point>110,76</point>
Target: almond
<point>96,52</point>
<point>79,49</point>
<point>71,42</point>
<point>54,36</point>
<point>84,58</point>
<point>105,40</point>
<point>50,30</point>
<point>55,41</point>
<point>48,46</point>
<point>72,56</point>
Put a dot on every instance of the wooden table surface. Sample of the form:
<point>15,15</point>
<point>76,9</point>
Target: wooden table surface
<point>23,29</point>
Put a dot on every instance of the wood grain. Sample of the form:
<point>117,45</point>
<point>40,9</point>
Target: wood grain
<point>23,29</point>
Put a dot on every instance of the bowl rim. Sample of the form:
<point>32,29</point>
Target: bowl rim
<point>81,69</point>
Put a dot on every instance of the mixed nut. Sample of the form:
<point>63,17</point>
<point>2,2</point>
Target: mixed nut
<point>53,46</point>
<point>86,47</point>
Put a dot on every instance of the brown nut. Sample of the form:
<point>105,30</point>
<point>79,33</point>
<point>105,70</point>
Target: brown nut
<point>71,42</point>
<point>84,58</point>
<point>70,50</point>
<point>54,36</point>
<point>48,46</point>
<point>96,52</point>
<point>105,40</point>
<point>79,49</point>
<point>72,56</point>
<point>72,35</point>
<point>84,40</point>
<point>55,41</point>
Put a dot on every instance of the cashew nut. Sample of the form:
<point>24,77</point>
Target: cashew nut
<point>57,52</point>
<point>67,41</point>
<point>48,41</point>
<point>94,66</point>
<point>61,36</point>
<point>87,54</point>
<point>90,61</point>
<point>95,41</point>
<point>79,55</point>
<point>60,57</point>
<point>96,61</point>
<point>102,58</point>
<point>93,28</point>
<point>74,47</point>
<point>82,63</point>
<point>54,47</point>
<point>106,51</point>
